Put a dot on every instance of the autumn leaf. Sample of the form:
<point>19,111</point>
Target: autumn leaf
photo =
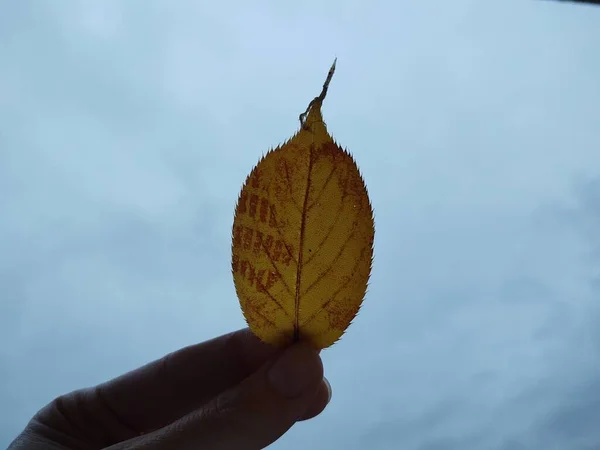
<point>303,238</point>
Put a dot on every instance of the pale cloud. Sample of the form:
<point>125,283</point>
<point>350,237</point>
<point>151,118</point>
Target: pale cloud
<point>126,131</point>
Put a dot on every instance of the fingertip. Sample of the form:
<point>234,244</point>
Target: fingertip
<point>320,402</point>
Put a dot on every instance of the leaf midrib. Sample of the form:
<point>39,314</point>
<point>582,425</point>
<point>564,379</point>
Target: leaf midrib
<point>301,246</point>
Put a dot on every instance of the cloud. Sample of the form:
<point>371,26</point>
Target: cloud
<point>127,130</point>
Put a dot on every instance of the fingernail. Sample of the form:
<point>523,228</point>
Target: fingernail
<point>295,370</point>
<point>328,386</point>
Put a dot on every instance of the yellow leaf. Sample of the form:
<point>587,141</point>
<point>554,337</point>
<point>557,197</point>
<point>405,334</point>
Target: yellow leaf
<point>303,238</point>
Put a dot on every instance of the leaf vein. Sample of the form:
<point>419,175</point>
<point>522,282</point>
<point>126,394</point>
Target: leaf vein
<point>270,258</point>
<point>339,254</point>
<point>320,193</point>
<point>335,294</point>
<point>301,247</point>
<point>264,317</point>
<point>286,248</point>
<point>333,224</point>
<point>288,180</point>
<point>277,302</point>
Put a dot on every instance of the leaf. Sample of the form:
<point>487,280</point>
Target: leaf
<point>303,238</point>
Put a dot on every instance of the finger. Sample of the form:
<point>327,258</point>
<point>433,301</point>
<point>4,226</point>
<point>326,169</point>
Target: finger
<point>169,388</point>
<point>252,415</point>
<point>320,401</point>
<point>155,395</point>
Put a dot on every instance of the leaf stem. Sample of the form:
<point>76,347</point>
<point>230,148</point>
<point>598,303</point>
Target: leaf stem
<point>321,96</point>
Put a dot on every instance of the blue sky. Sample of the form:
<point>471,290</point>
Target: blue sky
<point>127,129</point>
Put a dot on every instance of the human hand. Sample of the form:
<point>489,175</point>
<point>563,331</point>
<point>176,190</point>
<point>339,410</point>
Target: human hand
<point>232,392</point>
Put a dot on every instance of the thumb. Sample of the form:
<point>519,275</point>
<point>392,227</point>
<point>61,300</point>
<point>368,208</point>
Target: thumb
<point>253,414</point>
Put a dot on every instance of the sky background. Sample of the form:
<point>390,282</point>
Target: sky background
<point>127,129</point>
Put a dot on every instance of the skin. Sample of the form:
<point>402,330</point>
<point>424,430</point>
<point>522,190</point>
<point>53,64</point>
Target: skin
<point>232,392</point>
